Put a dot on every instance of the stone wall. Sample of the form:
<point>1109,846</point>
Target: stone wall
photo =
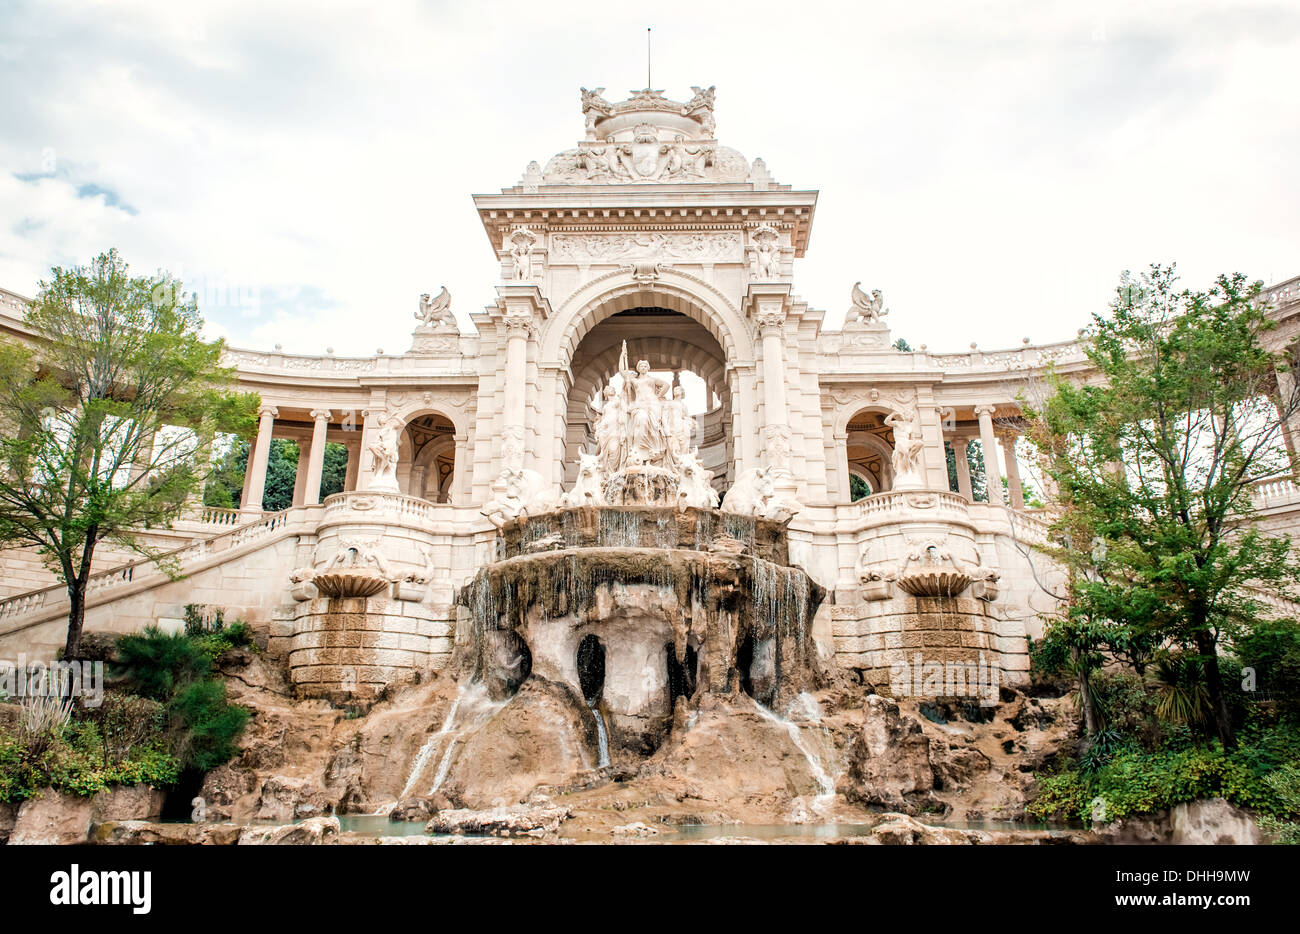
<point>345,648</point>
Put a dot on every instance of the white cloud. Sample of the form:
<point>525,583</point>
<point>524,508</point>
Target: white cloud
<point>992,167</point>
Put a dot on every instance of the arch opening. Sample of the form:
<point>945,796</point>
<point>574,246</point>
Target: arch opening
<point>681,352</point>
<point>427,457</point>
<point>870,452</point>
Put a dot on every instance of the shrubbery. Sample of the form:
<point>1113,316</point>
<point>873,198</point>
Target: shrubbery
<point>1153,749</point>
<point>172,715</point>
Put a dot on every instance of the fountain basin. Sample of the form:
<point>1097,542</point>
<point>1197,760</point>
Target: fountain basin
<point>933,582</point>
<point>348,584</point>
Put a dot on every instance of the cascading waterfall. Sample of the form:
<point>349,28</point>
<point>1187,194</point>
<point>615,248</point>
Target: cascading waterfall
<point>602,736</point>
<point>825,784</point>
<point>474,708</point>
<point>431,744</point>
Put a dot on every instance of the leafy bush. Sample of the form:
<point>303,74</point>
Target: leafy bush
<point>1272,648</point>
<point>1286,783</point>
<point>157,664</point>
<point>208,726</point>
<point>124,722</point>
<point>1139,781</point>
<point>74,762</point>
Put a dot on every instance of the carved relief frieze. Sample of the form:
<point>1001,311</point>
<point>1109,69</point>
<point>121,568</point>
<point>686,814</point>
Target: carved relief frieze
<point>683,246</point>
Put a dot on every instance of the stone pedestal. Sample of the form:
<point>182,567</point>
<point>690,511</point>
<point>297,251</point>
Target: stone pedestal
<point>351,648</point>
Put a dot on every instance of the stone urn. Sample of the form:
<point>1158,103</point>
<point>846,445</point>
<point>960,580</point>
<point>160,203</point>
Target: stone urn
<point>344,583</point>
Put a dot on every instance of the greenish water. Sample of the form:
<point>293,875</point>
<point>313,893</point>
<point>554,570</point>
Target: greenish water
<point>378,825</point>
<point>766,831</point>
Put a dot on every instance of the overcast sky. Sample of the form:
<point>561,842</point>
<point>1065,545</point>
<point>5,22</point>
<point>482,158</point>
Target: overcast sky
<point>992,167</point>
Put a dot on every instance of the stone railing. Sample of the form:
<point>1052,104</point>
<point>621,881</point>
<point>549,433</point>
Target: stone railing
<point>394,505</point>
<point>146,568</point>
<point>1284,293</point>
<point>215,515</point>
<point>1028,357</point>
<point>1276,491</point>
<point>897,504</point>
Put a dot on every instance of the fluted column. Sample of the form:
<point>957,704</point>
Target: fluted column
<point>768,303</point>
<point>522,307</point>
<point>1015,488</point>
<point>267,415</point>
<point>316,456</point>
<point>988,445</point>
<point>459,472</point>
<point>961,454</point>
<point>517,325</point>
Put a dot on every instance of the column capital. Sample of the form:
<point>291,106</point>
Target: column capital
<point>983,410</point>
<point>765,301</point>
<point>770,319</point>
<point>265,410</point>
<point>519,303</point>
<point>319,414</point>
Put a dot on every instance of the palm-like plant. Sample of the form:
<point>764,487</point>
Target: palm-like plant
<point>1181,693</point>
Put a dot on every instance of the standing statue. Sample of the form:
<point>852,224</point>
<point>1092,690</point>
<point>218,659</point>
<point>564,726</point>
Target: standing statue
<point>521,252</point>
<point>437,311</point>
<point>646,440</point>
<point>679,425</point>
<point>611,429</point>
<point>383,458</point>
<point>766,254</point>
<point>907,450</point>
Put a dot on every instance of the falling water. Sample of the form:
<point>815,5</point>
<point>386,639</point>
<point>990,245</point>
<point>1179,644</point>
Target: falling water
<point>825,784</point>
<point>426,751</point>
<point>602,737</point>
<point>619,528</point>
<point>475,712</point>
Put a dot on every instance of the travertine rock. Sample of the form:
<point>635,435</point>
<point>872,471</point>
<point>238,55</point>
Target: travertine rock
<point>314,831</point>
<point>53,818</point>
<point>520,821</point>
<point>890,760</point>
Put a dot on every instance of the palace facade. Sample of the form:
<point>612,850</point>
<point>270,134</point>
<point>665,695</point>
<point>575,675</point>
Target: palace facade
<point>652,235</point>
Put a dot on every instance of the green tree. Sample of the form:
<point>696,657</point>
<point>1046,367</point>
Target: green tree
<point>1155,463</point>
<point>107,416</point>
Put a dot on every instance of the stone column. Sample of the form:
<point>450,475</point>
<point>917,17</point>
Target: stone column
<point>316,456</point>
<point>1015,488</point>
<point>143,456</point>
<point>459,472</point>
<point>961,454</point>
<point>1284,399</point>
<point>354,465</point>
<point>521,305</point>
<point>989,447</point>
<point>256,485</point>
<point>300,473</point>
<point>842,466</point>
<point>768,304</point>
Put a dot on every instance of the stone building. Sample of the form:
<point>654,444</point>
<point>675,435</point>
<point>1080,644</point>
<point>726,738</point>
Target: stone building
<point>648,234</point>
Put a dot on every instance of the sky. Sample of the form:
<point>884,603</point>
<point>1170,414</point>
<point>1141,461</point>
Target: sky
<point>307,168</point>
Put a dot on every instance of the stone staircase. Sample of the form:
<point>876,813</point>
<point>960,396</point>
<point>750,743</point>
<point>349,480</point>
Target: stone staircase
<point>20,610</point>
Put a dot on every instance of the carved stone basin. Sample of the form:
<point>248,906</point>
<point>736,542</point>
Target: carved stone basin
<point>349,583</point>
<point>933,581</point>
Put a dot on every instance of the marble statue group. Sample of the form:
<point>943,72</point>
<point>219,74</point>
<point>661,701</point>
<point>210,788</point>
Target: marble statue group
<point>643,424</point>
